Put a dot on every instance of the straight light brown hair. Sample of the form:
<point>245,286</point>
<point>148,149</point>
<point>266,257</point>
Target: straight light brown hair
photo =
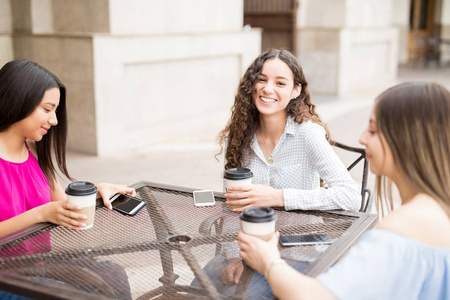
<point>414,118</point>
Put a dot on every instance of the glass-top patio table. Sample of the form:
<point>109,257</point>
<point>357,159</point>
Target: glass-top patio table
<point>158,252</point>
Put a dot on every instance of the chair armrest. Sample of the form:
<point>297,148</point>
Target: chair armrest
<point>206,226</point>
<point>367,201</point>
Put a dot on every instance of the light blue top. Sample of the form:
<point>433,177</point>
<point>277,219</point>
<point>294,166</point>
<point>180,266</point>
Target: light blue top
<point>301,157</point>
<point>386,265</point>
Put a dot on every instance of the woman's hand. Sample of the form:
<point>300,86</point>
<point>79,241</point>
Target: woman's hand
<point>62,213</point>
<point>232,271</point>
<point>107,190</point>
<point>254,195</point>
<point>257,253</point>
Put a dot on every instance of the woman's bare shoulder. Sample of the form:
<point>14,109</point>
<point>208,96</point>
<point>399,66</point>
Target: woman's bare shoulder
<point>422,219</point>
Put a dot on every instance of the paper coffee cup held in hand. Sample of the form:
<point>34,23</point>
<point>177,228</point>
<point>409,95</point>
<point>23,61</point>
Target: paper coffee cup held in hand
<point>83,193</point>
<point>259,221</point>
<point>237,177</point>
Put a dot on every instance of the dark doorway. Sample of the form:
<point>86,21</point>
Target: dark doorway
<point>423,37</point>
<point>277,18</point>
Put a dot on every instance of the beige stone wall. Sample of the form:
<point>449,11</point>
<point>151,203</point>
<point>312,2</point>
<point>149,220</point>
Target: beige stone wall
<point>445,20</point>
<point>139,74</point>
<point>170,91</point>
<point>346,45</point>
<point>445,31</point>
<point>6,46</point>
<point>21,15</point>
<point>400,19</point>
<point>175,16</point>
<point>81,15</point>
<point>71,59</point>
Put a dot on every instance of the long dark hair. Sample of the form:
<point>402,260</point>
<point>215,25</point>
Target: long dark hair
<point>414,118</point>
<point>244,120</point>
<point>23,84</point>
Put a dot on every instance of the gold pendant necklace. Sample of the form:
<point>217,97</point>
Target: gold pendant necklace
<point>270,159</point>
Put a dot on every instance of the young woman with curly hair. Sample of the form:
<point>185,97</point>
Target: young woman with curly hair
<point>275,131</point>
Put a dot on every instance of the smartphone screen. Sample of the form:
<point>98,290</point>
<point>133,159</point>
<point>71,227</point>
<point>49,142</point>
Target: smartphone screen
<point>304,239</point>
<point>127,204</point>
<point>204,198</point>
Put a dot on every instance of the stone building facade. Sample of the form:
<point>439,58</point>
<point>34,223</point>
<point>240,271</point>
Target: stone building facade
<point>143,74</point>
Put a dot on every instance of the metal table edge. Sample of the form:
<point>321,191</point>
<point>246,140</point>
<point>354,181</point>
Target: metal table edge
<point>337,250</point>
<point>22,285</point>
<point>170,187</point>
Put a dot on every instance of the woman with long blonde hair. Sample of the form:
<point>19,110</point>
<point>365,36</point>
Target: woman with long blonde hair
<point>408,255</point>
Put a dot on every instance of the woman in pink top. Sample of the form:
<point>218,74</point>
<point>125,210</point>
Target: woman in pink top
<point>33,131</point>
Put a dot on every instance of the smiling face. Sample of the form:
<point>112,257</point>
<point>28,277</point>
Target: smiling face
<point>39,122</point>
<point>378,152</point>
<point>274,88</point>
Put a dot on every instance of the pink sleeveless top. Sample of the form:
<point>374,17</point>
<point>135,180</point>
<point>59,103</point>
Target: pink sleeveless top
<point>23,186</point>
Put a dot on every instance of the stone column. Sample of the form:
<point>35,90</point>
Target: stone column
<point>444,14</point>
<point>400,19</point>
<point>142,74</point>
<point>346,45</point>
<point>445,19</point>
<point>6,45</point>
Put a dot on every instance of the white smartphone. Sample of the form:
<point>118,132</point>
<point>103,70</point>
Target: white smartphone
<point>304,239</point>
<point>204,198</point>
<point>126,204</point>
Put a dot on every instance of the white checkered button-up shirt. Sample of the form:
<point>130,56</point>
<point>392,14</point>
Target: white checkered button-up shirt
<point>301,157</point>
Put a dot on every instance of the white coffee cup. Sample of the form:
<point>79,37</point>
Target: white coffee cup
<point>237,177</point>
<point>259,221</point>
<point>83,193</point>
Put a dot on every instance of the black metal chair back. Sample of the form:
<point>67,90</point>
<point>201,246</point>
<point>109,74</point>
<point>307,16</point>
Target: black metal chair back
<point>366,194</point>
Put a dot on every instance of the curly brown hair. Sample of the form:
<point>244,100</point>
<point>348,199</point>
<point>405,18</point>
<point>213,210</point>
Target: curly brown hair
<point>244,120</point>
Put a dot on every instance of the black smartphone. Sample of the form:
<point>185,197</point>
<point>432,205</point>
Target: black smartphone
<point>304,239</point>
<point>127,204</point>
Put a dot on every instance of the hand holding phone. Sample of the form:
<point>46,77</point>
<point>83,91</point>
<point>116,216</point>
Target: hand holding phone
<point>127,204</point>
<point>304,239</point>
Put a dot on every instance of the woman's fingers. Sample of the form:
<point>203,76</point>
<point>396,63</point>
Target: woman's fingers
<point>131,191</point>
<point>70,211</point>
<point>240,188</point>
<point>244,240</point>
<point>76,216</point>
<point>236,195</point>
<point>107,190</point>
<point>72,224</point>
<point>70,218</point>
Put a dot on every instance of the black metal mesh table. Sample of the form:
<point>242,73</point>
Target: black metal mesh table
<point>158,252</point>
